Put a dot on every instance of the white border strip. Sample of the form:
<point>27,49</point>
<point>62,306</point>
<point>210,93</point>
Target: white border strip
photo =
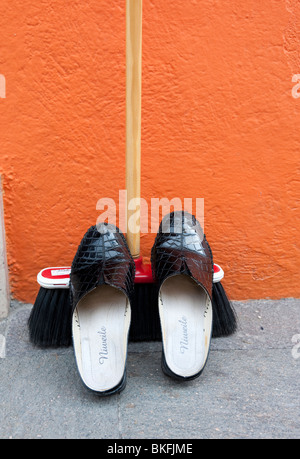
<point>4,282</point>
<point>2,347</point>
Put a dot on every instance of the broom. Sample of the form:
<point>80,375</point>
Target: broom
<point>145,322</point>
<point>50,318</point>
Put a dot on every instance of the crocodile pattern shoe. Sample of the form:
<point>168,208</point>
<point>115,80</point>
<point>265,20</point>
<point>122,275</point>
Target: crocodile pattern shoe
<point>182,266</point>
<point>101,288</point>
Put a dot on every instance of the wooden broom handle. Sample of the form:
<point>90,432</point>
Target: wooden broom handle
<point>133,119</point>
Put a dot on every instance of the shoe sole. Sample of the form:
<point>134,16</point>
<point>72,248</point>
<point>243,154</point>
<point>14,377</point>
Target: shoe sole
<point>185,312</point>
<point>100,328</point>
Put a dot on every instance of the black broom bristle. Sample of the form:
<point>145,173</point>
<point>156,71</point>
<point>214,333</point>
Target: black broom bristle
<point>49,322</point>
<point>50,319</point>
<point>224,316</point>
<point>145,322</point>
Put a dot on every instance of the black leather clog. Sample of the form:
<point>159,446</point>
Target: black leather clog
<point>101,287</point>
<point>182,266</point>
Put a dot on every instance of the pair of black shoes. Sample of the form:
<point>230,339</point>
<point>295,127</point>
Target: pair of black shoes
<point>102,291</point>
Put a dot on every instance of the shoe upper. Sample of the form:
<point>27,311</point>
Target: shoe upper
<point>181,248</point>
<point>103,257</point>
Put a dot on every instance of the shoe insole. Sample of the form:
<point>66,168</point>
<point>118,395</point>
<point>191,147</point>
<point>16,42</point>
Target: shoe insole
<point>101,323</point>
<point>186,320</point>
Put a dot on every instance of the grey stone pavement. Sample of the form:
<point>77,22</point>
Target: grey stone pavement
<point>249,389</point>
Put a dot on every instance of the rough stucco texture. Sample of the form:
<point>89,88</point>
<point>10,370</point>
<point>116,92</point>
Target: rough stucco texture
<point>218,122</point>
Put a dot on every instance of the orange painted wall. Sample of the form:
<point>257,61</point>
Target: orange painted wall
<point>219,122</point>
